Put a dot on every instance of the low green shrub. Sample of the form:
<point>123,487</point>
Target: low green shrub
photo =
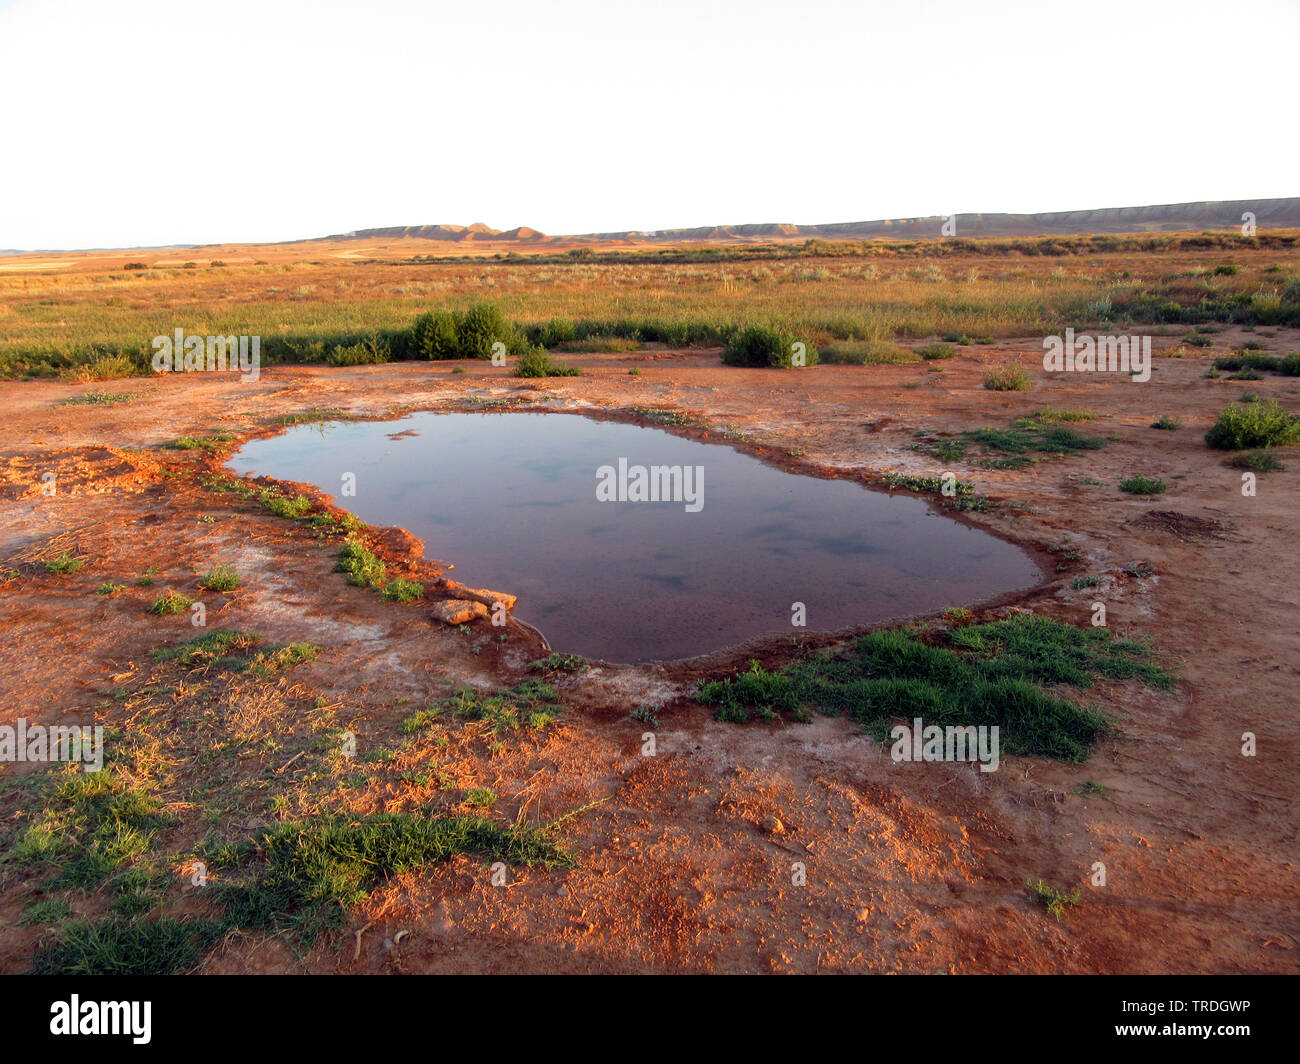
<point>766,345</point>
<point>1262,424</point>
<point>535,362</point>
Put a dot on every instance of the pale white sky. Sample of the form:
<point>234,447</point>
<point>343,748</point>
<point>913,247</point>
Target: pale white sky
<point>139,122</point>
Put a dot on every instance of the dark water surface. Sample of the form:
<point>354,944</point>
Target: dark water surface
<point>511,500</point>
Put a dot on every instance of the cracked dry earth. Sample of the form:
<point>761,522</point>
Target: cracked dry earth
<point>684,861</point>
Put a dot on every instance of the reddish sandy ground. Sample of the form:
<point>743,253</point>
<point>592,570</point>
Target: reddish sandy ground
<point>686,864</point>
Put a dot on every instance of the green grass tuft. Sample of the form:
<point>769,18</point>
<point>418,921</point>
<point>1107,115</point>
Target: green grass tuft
<point>364,569</point>
<point>171,603</point>
<point>119,946</point>
<point>100,398</point>
<point>1053,900</point>
<point>219,647</point>
<point>402,591</point>
<point>532,703</point>
<point>200,443</point>
<point>986,674</point>
<point>1013,378</point>
<point>535,362</point>
<point>558,663</point>
<point>282,505</point>
<point>933,352</point>
<point>867,353</point>
<point>1048,416</point>
<point>222,578</point>
<point>1140,485</point>
<point>307,873</point>
<point>64,565</point>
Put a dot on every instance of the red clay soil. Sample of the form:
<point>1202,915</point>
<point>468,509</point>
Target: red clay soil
<point>687,861</point>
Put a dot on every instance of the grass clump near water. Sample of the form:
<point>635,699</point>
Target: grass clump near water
<point>1262,424</point>
<point>997,673</point>
<point>209,442</point>
<point>767,345</point>
<point>531,704</point>
<point>312,417</point>
<point>281,505</point>
<point>307,873</point>
<point>364,568</point>
<point>666,416</point>
<point>557,662</point>
<point>403,591</point>
<point>535,362</point>
<point>931,484</point>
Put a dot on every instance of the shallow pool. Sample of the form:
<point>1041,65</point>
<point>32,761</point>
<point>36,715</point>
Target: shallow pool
<point>548,507</point>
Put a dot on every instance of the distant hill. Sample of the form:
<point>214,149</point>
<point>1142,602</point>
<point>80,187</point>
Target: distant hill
<point>1166,218</point>
<point>482,240</point>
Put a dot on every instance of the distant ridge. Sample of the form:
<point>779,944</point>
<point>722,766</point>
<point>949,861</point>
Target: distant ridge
<point>1165,218</point>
